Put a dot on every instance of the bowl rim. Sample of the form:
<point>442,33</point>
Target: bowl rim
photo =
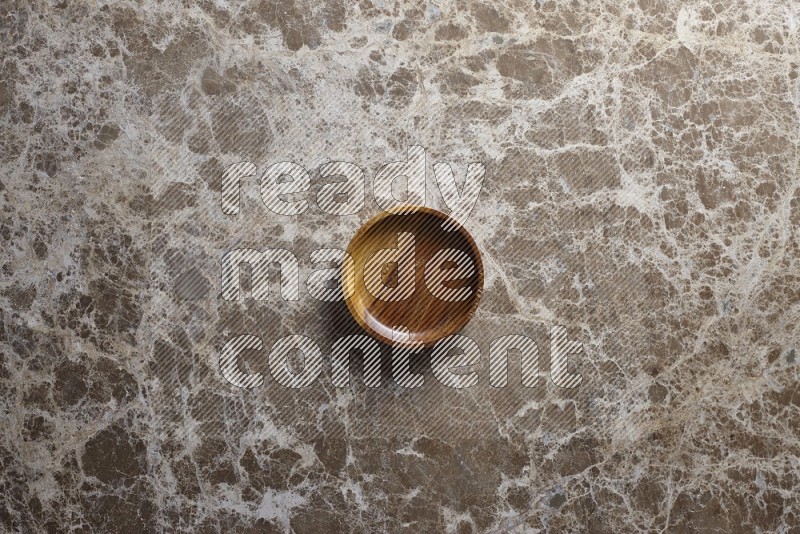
<point>475,254</point>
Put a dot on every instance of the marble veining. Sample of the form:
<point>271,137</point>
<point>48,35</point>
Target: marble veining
<point>642,190</point>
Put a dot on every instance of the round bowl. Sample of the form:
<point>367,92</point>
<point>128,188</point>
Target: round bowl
<point>442,302</point>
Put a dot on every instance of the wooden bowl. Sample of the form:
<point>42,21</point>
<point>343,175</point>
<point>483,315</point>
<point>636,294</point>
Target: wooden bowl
<point>423,318</point>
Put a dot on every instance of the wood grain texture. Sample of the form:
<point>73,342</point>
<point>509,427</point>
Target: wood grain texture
<point>422,318</point>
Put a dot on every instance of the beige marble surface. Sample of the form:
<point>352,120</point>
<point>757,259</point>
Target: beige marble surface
<point>642,190</point>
